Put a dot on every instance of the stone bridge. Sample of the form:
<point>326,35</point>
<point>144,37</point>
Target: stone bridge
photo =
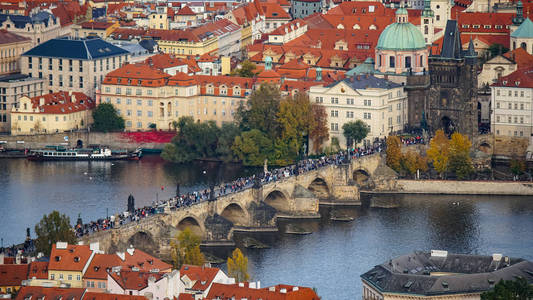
<point>251,210</point>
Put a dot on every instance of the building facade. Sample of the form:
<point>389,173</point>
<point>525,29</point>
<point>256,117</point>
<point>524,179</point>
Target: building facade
<point>39,27</point>
<point>303,8</point>
<point>512,104</point>
<point>77,65</point>
<point>11,47</point>
<point>51,113</point>
<point>12,89</point>
<point>380,103</point>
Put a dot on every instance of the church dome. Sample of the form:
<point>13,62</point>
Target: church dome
<point>401,35</point>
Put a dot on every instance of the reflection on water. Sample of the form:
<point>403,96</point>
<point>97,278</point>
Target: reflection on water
<point>30,189</point>
<point>331,258</point>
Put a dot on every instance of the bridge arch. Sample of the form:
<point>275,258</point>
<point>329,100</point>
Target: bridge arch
<point>278,200</point>
<point>361,176</point>
<point>191,223</point>
<point>234,213</point>
<point>144,241</point>
<point>320,188</point>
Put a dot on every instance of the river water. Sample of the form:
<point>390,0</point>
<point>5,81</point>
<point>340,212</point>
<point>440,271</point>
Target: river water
<point>330,259</point>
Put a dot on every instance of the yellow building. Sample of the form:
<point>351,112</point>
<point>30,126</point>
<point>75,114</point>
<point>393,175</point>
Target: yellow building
<point>11,47</point>
<point>68,263</point>
<point>57,112</point>
<point>183,43</point>
<point>92,28</point>
<point>159,18</point>
<point>144,96</point>
<point>11,277</point>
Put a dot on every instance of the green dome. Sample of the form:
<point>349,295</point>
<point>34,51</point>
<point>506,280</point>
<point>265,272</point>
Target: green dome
<point>401,36</point>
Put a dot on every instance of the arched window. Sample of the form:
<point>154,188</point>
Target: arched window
<point>514,45</point>
<point>392,60</point>
<point>426,30</point>
<point>408,61</point>
<point>524,46</point>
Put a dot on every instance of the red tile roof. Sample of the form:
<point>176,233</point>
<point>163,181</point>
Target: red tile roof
<point>100,265</point>
<point>106,296</point>
<point>144,261</point>
<point>218,28</point>
<point>522,58</point>
<point>132,280</point>
<point>74,257</point>
<point>38,270</point>
<point>62,103</point>
<point>96,25</point>
<point>10,38</point>
<point>185,11</point>
<point>181,79</point>
<point>234,291</point>
<point>480,19</point>
<point>164,60</point>
<point>38,292</point>
<point>521,78</point>
<point>12,275</point>
<point>184,296</point>
<point>274,11</point>
<point>137,75</point>
<point>201,276</point>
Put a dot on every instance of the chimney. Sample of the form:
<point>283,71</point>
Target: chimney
<point>283,291</point>
<point>70,93</point>
<point>41,101</point>
<point>1,258</point>
<point>272,289</point>
<point>73,99</point>
<point>295,288</point>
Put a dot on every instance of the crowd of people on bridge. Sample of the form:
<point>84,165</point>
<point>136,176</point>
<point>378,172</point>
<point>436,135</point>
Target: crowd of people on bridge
<point>240,184</point>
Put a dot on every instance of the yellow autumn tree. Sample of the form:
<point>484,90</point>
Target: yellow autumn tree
<point>185,249</point>
<point>238,266</point>
<point>409,162</point>
<point>460,162</point>
<point>394,153</point>
<point>439,152</point>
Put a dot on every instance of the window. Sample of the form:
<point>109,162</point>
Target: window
<point>139,113</point>
<point>52,276</point>
<point>128,91</point>
<point>408,61</point>
<point>319,99</point>
<point>69,277</point>
<point>118,91</point>
<point>521,120</point>
<point>150,102</point>
<point>521,93</point>
<point>81,66</point>
<point>150,113</point>
<point>70,65</point>
<point>497,104</point>
<point>392,59</point>
<point>497,118</point>
<point>30,64</point>
<point>128,112</point>
<point>399,106</point>
<point>334,100</point>
<point>60,80</point>
<point>128,123</point>
<point>521,106</point>
<point>128,101</point>
<point>118,101</point>
<point>139,124</point>
<point>107,100</point>
<point>510,105</point>
<point>50,64</point>
<point>149,92</point>
<point>497,92</point>
<point>398,119</point>
<point>107,89</point>
<point>60,65</point>
<point>350,101</point>
<point>367,116</point>
<point>81,82</point>
<point>334,127</point>
<point>367,102</point>
<point>509,119</point>
<point>60,276</point>
<point>40,63</point>
<point>349,114</point>
<point>334,113</point>
<point>139,102</point>
<point>50,79</point>
<point>138,92</point>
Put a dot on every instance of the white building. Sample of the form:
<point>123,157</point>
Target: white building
<point>153,285</point>
<point>512,104</point>
<point>380,103</point>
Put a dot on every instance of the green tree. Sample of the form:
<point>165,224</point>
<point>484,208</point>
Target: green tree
<point>53,228</point>
<point>238,266</point>
<point>252,147</point>
<point>185,249</point>
<point>318,127</point>
<point>106,118</point>
<point>394,153</point>
<point>518,289</point>
<point>226,137</point>
<point>246,70</point>
<point>260,111</point>
<point>459,160</point>
<point>193,141</point>
<point>355,132</point>
<point>293,117</point>
<point>517,166</point>
<point>496,49</point>
<point>439,152</point>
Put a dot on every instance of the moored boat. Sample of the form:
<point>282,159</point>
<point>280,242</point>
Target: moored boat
<point>80,154</point>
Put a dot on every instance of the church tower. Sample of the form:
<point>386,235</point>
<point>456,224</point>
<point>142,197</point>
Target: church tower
<point>427,22</point>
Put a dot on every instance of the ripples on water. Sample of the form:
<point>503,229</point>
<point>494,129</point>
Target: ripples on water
<point>331,259</point>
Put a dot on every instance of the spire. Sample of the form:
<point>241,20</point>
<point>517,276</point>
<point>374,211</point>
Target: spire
<point>471,54</point>
<point>519,18</point>
<point>401,14</point>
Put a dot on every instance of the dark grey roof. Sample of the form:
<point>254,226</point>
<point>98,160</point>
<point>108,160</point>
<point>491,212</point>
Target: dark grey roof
<point>148,44</point>
<point>17,76</point>
<point>21,21</point>
<point>367,81</point>
<point>451,44</point>
<point>91,48</point>
<point>415,273</point>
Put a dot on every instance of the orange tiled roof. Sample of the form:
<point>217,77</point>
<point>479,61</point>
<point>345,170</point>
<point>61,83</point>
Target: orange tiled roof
<point>230,291</point>
<point>106,296</point>
<point>74,257</point>
<point>230,82</point>
<point>274,11</point>
<point>38,269</point>
<point>134,280</point>
<point>181,79</point>
<point>203,276</point>
<point>521,78</point>
<point>522,58</point>
<point>137,75</point>
<point>38,292</point>
<point>186,11</point>
<point>96,25</point>
<point>164,60</point>
<point>480,19</point>
<point>12,275</point>
<point>100,265</point>
<point>62,103</point>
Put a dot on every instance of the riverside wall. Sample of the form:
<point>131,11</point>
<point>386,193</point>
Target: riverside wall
<point>114,140</point>
<point>452,187</point>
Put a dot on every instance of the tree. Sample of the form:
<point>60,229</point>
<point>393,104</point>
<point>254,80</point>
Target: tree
<point>355,132</point>
<point>260,111</point>
<point>318,127</point>
<point>246,70</point>
<point>439,152</point>
<point>252,147</point>
<point>238,266</point>
<point>497,49</point>
<point>518,289</point>
<point>228,133</point>
<point>459,156</point>
<point>185,249</point>
<point>51,229</point>
<point>293,118</point>
<point>394,153</point>
<point>412,161</point>
<point>517,166</point>
<point>106,118</point>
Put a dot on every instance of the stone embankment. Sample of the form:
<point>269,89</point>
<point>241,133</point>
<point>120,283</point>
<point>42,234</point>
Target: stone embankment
<point>452,187</point>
